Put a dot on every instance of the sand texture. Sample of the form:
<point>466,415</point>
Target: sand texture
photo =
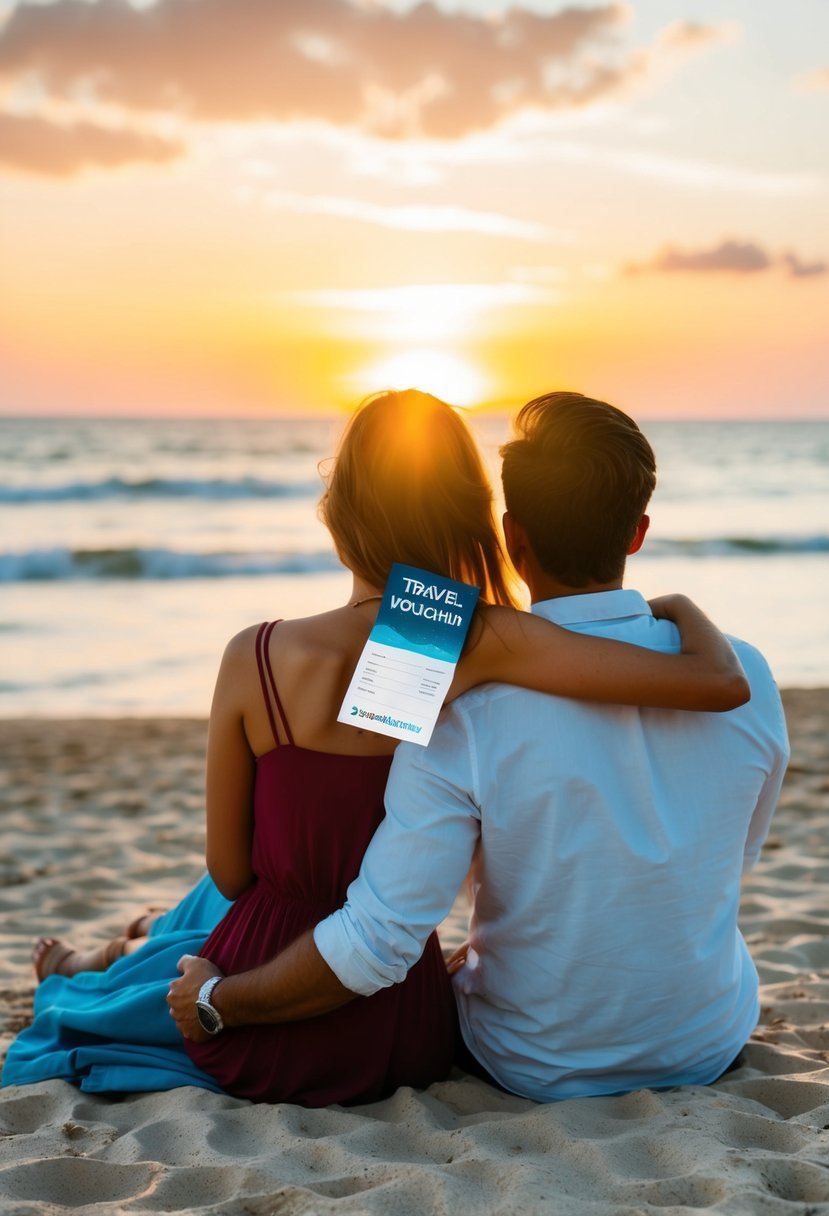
<point>100,818</point>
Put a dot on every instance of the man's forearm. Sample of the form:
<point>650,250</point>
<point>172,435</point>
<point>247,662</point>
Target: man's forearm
<point>298,983</point>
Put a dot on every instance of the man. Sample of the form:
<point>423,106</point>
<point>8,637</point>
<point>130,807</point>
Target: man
<point>606,842</point>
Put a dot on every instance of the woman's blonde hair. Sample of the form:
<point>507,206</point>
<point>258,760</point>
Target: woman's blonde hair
<point>408,485</point>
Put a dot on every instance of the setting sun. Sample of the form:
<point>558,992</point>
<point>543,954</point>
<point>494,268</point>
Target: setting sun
<point>365,201</point>
<point>445,375</point>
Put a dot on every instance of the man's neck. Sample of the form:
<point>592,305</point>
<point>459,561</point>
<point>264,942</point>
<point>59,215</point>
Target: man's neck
<point>543,587</point>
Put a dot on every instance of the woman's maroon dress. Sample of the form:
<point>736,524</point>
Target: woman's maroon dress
<point>314,815</point>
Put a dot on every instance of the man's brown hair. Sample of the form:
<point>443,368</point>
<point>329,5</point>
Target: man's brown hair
<point>578,478</point>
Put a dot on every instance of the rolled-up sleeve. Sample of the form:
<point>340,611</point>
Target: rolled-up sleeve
<point>413,867</point>
<point>770,726</point>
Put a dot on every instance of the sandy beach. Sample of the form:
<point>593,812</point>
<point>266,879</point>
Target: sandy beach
<point>103,817</point>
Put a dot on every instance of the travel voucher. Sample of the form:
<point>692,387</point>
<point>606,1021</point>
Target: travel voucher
<point>408,662</point>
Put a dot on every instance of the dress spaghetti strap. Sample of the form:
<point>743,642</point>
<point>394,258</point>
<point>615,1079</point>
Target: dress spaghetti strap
<point>269,692</point>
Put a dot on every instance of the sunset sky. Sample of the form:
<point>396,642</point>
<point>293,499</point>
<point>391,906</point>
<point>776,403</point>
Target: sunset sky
<point>251,206</point>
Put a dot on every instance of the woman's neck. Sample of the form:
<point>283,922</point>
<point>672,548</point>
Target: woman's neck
<point>363,592</point>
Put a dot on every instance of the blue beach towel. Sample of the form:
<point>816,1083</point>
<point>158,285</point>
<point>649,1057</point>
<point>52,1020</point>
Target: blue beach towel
<point>111,1031</point>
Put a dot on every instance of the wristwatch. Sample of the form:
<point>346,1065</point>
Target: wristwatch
<point>207,1013</point>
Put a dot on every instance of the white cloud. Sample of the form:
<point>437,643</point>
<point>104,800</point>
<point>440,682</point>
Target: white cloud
<point>424,312</point>
<point>416,217</point>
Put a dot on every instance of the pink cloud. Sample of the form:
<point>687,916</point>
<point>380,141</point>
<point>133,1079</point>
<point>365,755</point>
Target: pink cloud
<point>729,257</point>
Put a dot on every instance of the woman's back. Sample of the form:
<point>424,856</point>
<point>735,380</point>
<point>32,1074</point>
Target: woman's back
<point>315,811</point>
<point>314,815</point>
<point>314,658</point>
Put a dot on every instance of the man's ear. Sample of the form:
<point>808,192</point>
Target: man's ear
<point>639,534</point>
<point>516,540</point>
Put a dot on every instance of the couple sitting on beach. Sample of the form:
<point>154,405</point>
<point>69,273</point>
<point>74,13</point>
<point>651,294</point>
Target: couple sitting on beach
<point>604,841</point>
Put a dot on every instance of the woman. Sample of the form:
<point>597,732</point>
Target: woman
<point>293,796</point>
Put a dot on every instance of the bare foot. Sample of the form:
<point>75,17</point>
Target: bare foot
<point>53,957</point>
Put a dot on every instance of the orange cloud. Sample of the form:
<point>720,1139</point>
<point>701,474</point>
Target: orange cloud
<point>422,72</point>
<point>691,36</point>
<point>816,81</point>
<point>35,145</point>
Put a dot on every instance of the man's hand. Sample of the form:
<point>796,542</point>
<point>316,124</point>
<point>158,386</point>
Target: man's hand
<point>457,959</point>
<point>298,983</point>
<point>182,996</point>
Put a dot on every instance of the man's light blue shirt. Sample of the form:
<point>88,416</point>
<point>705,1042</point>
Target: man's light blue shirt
<point>606,846</point>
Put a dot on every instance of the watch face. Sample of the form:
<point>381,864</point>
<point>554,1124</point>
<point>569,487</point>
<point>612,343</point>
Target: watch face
<point>208,1017</point>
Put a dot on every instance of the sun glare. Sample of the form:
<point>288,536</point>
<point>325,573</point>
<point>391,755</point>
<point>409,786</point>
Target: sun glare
<point>445,375</point>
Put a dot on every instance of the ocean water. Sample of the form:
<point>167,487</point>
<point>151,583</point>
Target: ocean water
<point>131,550</point>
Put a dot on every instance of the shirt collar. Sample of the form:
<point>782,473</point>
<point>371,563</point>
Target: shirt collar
<point>594,606</point>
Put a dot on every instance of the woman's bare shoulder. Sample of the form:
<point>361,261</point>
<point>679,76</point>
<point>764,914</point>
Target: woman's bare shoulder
<point>243,642</point>
<point>306,630</point>
<point>328,638</point>
<point>239,656</point>
<point>328,635</point>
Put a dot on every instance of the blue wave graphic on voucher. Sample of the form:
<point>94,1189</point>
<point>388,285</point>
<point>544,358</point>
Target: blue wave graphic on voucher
<point>384,635</point>
<point>59,565</point>
<point>215,489</point>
